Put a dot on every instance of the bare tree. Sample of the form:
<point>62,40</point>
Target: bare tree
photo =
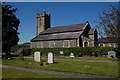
<point>109,24</point>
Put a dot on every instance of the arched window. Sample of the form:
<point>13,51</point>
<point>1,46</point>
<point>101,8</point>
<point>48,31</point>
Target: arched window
<point>101,44</point>
<point>41,44</point>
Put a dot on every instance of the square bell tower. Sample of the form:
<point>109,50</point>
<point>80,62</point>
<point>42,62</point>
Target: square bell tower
<point>43,22</point>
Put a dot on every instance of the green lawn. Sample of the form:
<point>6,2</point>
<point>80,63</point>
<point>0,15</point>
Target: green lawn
<point>11,73</point>
<point>97,68</point>
<point>0,61</point>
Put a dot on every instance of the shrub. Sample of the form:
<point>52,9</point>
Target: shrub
<point>16,48</point>
<point>26,52</point>
<point>85,51</point>
<point>12,54</point>
<point>102,50</point>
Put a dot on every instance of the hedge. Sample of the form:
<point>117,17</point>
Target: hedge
<point>85,51</point>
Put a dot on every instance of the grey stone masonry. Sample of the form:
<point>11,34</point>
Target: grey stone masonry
<point>54,43</point>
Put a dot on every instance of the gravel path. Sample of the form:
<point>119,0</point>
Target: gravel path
<point>81,60</point>
<point>69,74</point>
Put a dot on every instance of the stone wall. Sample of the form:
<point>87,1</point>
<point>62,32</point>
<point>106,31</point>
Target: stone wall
<point>55,43</point>
<point>43,22</point>
<point>94,36</point>
<point>89,41</point>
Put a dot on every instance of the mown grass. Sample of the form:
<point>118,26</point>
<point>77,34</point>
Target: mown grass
<point>95,68</point>
<point>12,73</point>
<point>0,61</point>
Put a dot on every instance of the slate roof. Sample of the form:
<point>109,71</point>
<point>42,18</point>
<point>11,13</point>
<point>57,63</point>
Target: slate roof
<point>58,36</point>
<point>68,28</point>
<point>105,40</point>
<point>91,31</point>
<point>61,32</point>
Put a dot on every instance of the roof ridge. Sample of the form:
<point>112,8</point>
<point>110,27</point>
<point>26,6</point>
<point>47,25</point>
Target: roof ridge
<point>65,26</point>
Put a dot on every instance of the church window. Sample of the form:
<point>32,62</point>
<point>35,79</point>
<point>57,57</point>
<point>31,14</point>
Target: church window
<point>101,44</point>
<point>52,44</point>
<point>40,22</point>
<point>66,43</point>
<point>37,45</point>
<point>41,44</point>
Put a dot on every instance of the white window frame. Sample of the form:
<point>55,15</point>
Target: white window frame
<point>102,44</point>
<point>53,42</point>
<point>41,44</point>
<point>68,42</point>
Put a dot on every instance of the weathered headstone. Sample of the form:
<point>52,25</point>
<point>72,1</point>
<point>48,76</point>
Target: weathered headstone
<point>21,56</point>
<point>8,56</point>
<point>72,55</point>
<point>50,57</point>
<point>61,53</point>
<point>20,52</point>
<point>80,55</point>
<point>37,56</point>
<point>111,54</point>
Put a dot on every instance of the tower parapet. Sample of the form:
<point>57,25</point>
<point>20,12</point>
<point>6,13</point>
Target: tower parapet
<point>43,22</point>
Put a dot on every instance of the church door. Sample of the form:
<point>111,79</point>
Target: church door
<point>85,44</point>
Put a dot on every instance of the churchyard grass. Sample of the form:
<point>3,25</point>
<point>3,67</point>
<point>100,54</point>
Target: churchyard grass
<point>95,68</point>
<point>87,58</point>
<point>12,73</point>
<point>0,61</point>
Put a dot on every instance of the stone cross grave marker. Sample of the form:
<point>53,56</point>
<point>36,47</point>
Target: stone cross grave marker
<point>111,54</point>
<point>50,57</point>
<point>37,56</point>
<point>72,55</point>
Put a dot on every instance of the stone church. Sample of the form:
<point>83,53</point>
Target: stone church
<point>76,35</point>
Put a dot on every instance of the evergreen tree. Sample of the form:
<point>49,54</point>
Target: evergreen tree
<point>10,25</point>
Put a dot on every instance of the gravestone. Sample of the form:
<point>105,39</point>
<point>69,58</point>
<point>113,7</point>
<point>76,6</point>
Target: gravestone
<point>61,53</point>
<point>20,52</point>
<point>111,54</point>
<point>50,57</point>
<point>72,55</point>
<point>37,56</point>
<point>21,56</point>
<point>8,56</point>
<point>80,55</point>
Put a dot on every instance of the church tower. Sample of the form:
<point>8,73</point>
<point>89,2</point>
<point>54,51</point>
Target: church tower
<point>43,22</point>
